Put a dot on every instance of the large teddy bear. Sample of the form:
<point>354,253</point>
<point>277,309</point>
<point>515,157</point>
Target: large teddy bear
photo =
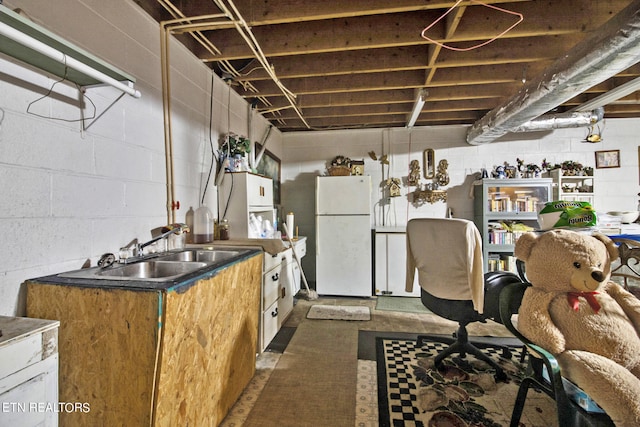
<point>591,324</point>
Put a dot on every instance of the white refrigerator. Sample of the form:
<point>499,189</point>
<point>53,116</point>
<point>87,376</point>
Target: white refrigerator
<point>343,236</point>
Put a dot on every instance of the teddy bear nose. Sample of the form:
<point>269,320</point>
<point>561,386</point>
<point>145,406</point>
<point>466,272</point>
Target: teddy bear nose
<point>597,275</point>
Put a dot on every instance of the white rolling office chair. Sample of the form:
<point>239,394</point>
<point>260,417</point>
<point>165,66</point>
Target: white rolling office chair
<point>447,254</point>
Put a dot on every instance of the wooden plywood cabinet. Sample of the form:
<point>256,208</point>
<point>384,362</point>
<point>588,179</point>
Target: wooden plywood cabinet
<point>161,357</point>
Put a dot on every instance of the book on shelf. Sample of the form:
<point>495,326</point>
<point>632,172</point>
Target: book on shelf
<point>497,262</point>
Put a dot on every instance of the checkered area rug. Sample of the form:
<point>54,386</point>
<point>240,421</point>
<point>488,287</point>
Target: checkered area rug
<point>461,392</point>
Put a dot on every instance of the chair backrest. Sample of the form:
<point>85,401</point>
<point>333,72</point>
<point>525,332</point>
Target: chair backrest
<point>510,300</point>
<point>447,253</point>
<point>628,270</point>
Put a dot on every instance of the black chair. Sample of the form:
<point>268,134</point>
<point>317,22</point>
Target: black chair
<point>448,282</point>
<point>539,360</point>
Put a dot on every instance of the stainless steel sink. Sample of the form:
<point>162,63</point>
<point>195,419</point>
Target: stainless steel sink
<point>201,255</point>
<point>161,268</point>
<point>152,270</point>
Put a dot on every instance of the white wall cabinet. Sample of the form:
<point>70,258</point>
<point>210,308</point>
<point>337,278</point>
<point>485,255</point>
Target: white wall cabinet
<point>29,372</point>
<point>572,188</point>
<point>391,262</point>
<point>241,194</point>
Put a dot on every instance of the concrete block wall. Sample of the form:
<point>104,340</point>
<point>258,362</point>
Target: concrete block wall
<point>70,195</point>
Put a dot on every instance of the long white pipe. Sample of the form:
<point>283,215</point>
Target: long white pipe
<point>62,58</point>
<point>165,68</point>
<point>263,145</point>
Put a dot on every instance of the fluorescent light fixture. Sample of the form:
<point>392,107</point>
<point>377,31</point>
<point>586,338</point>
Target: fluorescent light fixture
<point>611,96</point>
<point>417,107</point>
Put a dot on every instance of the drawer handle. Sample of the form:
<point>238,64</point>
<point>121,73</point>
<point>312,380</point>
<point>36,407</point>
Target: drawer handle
<point>275,277</point>
<point>274,313</point>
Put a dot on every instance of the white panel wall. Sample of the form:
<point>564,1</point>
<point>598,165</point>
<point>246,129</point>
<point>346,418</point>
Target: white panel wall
<point>69,196</point>
<point>306,155</point>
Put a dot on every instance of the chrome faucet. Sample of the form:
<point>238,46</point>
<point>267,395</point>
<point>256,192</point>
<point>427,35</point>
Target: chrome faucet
<point>135,249</point>
<point>167,230</point>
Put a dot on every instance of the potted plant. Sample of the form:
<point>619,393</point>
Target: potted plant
<point>235,148</point>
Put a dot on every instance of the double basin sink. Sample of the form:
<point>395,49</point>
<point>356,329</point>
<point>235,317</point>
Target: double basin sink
<point>167,266</point>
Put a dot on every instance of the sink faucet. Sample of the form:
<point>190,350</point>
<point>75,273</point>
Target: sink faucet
<point>136,249</point>
<point>167,230</point>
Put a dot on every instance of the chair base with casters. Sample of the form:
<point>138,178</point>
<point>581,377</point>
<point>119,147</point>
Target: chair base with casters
<point>463,312</point>
<point>539,360</point>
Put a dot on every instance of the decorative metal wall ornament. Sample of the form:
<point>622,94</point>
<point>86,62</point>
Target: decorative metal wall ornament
<point>442,177</point>
<point>414,173</point>
<point>430,193</point>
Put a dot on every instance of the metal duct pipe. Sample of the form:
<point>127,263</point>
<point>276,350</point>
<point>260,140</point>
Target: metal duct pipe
<point>610,50</point>
<point>562,121</point>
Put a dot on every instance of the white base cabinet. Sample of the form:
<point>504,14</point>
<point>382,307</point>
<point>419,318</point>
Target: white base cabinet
<point>280,283</point>
<point>270,296</point>
<point>391,263</point>
<point>29,372</point>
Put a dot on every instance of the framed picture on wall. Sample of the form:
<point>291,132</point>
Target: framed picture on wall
<point>270,166</point>
<point>608,159</point>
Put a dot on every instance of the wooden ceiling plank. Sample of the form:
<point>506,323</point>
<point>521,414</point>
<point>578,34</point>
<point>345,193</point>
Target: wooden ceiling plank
<point>405,58</point>
<point>286,11</point>
<point>503,73</point>
<point>404,29</point>
<point>406,96</point>
<point>396,30</point>
<point>379,109</point>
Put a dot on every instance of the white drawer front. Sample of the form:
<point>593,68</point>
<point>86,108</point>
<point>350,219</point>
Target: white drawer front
<point>20,354</point>
<point>301,248</point>
<point>271,261</point>
<point>271,286</point>
<point>269,324</point>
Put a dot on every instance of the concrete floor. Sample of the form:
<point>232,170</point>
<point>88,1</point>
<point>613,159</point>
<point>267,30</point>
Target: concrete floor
<point>315,381</point>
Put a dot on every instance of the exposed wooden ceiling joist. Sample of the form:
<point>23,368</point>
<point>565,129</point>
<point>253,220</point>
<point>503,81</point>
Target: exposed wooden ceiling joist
<point>358,63</point>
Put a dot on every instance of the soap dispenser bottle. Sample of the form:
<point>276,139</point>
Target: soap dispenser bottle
<point>202,225</point>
